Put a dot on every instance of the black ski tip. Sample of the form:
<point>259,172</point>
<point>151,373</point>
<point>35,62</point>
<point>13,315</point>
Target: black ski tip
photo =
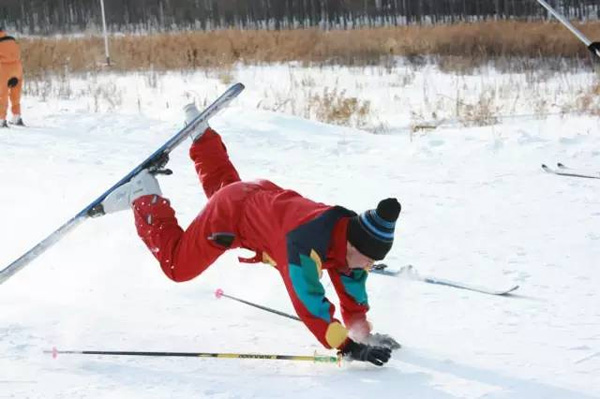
<point>560,165</point>
<point>238,86</point>
<point>379,266</point>
<point>594,47</point>
<point>545,167</point>
<point>509,291</point>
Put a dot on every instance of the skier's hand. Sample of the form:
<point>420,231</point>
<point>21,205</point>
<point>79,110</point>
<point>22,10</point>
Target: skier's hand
<point>383,340</point>
<point>366,353</point>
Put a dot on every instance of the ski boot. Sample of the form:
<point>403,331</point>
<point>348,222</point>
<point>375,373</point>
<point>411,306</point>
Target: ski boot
<point>17,120</point>
<point>191,113</point>
<point>144,183</point>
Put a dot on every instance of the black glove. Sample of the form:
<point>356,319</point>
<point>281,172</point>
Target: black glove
<point>383,340</point>
<point>366,353</point>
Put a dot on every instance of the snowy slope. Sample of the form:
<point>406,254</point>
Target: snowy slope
<point>476,207</point>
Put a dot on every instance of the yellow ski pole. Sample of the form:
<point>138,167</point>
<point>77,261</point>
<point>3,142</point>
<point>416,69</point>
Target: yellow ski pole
<point>315,358</point>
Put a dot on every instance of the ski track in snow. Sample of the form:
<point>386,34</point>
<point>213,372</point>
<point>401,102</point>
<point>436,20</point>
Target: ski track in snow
<point>476,207</point>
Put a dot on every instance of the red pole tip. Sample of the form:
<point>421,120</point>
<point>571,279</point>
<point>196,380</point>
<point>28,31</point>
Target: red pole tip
<point>54,353</point>
<point>219,293</point>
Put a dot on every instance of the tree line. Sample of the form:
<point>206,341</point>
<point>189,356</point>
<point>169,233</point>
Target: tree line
<point>72,16</point>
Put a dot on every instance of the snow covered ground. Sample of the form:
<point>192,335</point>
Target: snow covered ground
<point>476,208</point>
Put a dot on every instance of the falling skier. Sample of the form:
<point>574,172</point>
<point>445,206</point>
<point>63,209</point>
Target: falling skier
<point>297,236</point>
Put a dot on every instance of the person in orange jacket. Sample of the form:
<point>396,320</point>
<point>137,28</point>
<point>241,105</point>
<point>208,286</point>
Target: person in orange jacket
<point>11,79</point>
<point>299,237</point>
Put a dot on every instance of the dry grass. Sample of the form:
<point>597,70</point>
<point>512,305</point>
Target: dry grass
<point>587,101</point>
<point>337,108</point>
<point>482,112</point>
<point>456,47</point>
<point>103,96</point>
<point>538,49</point>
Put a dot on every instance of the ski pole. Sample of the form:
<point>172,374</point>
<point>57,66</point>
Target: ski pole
<point>315,358</point>
<point>593,47</point>
<point>219,293</point>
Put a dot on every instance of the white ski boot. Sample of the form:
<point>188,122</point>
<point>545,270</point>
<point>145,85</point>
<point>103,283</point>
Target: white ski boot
<point>191,113</point>
<point>144,183</point>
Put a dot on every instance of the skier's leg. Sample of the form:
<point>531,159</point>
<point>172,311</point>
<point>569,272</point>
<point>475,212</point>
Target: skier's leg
<point>184,255</point>
<point>3,95</point>
<point>212,163</point>
<point>209,155</point>
<point>15,99</point>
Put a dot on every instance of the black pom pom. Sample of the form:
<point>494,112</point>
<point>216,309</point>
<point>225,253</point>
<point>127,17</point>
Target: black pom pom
<point>389,209</point>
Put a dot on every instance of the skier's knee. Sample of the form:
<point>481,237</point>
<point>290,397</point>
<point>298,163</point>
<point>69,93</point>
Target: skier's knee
<point>172,272</point>
<point>181,272</point>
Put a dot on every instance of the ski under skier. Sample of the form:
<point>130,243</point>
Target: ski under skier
<point>11,79</point>
<point>297,236</point>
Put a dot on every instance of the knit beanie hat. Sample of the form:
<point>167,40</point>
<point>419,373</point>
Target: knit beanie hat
<point>372,232</point>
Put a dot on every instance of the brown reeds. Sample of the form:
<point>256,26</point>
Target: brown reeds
<point>454,46</point>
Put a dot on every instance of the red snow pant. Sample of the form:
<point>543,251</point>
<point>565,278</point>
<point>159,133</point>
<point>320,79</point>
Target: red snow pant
<point>183,255</point>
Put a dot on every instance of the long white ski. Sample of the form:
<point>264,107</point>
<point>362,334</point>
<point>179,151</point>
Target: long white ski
<point>409,272</point>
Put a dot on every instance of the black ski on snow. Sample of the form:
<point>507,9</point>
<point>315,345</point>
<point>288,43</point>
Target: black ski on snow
<point>563,170</point>
<point>155,161</point>
<point>410,273</point>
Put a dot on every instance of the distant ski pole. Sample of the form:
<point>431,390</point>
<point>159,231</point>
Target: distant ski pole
<point>315,358</point>
<point>594,47</point>
<point>219,293</point>
<point>157,160</point>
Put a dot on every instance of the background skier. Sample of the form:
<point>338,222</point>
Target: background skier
<point>11,79</point>
<point>297,236</point>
